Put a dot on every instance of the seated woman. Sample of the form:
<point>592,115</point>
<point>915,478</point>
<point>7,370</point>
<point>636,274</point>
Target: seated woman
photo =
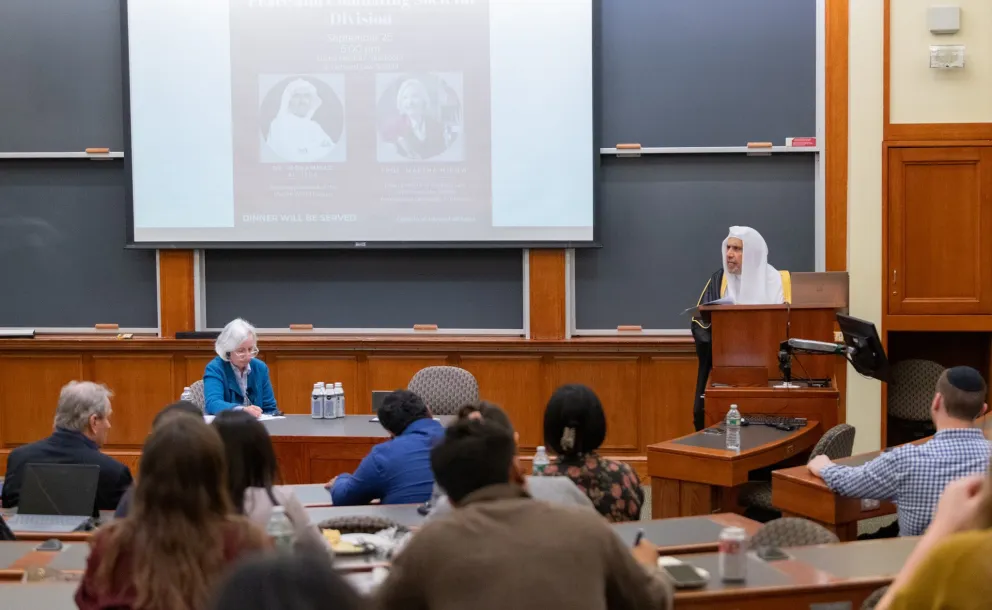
<point>399,470</point>
<point>949,567</point>
<point>557,490</point>
<point>236,379</point>
<point>181,534</point>
<point>252,471</point>
<point>574,428</point>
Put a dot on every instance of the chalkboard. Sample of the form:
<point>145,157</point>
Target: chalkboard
<point>469,289</point>
<point>662,222</point>
<point>60,82</point>
<point>706,72</point>
<point>62,255</point>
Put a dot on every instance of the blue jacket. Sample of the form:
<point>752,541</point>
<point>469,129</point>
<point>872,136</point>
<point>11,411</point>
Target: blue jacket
<point>222,392</point>
<point>397,471</point>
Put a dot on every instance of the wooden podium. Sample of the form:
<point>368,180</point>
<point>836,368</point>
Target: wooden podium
<point>746,341</point>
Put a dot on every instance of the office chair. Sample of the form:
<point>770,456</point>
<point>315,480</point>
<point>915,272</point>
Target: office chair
<point>445,389</point>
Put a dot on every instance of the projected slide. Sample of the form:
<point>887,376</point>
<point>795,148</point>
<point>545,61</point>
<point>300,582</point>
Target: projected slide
<point>355,121</point>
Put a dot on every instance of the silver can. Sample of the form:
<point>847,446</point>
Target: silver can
<point>733,554</point>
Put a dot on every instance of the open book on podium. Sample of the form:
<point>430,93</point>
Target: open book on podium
<point>746,346</point>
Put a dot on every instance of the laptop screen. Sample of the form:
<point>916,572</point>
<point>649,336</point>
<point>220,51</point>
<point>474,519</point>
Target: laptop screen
<point>59,489</point>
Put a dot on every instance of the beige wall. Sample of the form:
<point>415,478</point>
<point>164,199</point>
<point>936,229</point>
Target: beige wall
<point>864,204</point>
<point>920,94</point>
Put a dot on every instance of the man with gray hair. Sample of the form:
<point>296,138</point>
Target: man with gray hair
<point>82,421</point>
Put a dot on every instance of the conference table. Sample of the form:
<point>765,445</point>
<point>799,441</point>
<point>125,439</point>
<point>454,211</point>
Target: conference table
<point>317,450</point>
<point>696,474</point>
<point>672,536</point>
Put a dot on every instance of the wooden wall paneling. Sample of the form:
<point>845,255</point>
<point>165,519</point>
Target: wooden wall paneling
<point>194,365</point>
<point>547,294</point>
<point>175,291</point>
<point>616,381</point>
<point>515,383</point>
<point>393,372</point>
<point>939,255</point>
<point>293,376</point>
<point>29,394</point>
<point>837,116</point>
<point>142,385</point>
<point>668,384</point>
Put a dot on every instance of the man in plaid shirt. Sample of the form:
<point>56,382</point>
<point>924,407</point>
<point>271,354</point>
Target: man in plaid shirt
<point>914,476</point>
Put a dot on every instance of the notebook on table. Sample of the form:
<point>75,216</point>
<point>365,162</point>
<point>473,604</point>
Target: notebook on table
<point>55,498</point>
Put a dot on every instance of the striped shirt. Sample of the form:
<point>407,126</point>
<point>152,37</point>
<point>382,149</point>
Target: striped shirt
<point>914,476</point>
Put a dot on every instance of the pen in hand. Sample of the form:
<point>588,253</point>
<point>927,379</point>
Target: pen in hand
<point>638,537</point>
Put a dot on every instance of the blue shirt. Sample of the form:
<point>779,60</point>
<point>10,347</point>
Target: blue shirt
<point>397,471</point>
<point>222,389</point>
<point>914,476</point>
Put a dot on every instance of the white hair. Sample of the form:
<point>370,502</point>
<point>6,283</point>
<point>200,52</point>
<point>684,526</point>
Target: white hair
<point>415,85</point>
<point>80,400</point>
<point>233,335</point>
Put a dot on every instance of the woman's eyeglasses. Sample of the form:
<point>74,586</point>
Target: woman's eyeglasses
<point>246,352</point>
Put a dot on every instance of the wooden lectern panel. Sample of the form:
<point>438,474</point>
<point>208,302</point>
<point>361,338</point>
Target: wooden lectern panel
<point>749,336</point>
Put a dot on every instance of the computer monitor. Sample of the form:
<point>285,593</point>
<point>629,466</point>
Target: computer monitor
<point>59,489</point>
<point>865,349</point>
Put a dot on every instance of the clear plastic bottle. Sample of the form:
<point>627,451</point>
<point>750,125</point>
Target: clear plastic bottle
<point>330,401</point>
<point>541,461</point>
<point>733,429</point>
<point>317,402</point>
<point>339,390</point>
<point>187,395</point>
<point>280,529</point>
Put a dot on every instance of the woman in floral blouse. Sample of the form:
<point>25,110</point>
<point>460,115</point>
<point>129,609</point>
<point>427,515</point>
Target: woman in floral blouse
<point>574,429</point>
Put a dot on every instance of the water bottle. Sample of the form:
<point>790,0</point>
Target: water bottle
<point>541,461</point>
<point>733,429</point>
<point>280,529</point>
<point>330,401</point>
<point>340,392</point>
<point>317,402</point>
<point>187,395</point>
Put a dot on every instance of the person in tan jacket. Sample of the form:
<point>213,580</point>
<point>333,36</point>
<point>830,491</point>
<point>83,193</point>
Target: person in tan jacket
<point>502,549</point>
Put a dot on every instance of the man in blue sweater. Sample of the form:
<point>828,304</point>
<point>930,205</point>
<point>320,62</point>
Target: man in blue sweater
<point>399,470</point>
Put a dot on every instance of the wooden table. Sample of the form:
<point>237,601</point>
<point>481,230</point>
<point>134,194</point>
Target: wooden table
<point>799,493</point>
<point>796,492</point>
<point>693,475</point>
<point>312,495</point>
<point>317,450</point>
<point>845,573</point>
<point>685,534</point>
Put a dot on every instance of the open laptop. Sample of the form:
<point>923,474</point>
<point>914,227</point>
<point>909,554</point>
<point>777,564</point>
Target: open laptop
<point>55,498</point>
<point>377,397</point>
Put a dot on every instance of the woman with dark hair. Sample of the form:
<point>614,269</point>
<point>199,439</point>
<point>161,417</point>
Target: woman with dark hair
<point>298,581</point>
<point>180,536</point>
<point>252,472</point>
<point>574,429</point>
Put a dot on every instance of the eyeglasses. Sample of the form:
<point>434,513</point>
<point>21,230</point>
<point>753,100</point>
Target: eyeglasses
<point>246,352</point>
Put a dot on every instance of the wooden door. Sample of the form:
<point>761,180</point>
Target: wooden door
<point>940,230</point>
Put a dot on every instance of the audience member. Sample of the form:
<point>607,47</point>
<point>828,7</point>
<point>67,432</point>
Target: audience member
<point>949,567</point>
<point>913,476</point>
<point>252,471</point>
<point>399,470</point>
<point>181,407</point>
<point>574,429</point>
<point>501,549</point>
<point>181,534</point>
<point>297,581</point>
<point>557,490</point>
<point>82,421</point>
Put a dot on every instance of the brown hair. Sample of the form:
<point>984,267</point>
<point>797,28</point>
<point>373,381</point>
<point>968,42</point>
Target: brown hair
<point>961,404</point>
<point>173,539</point>
<point>489,412</point>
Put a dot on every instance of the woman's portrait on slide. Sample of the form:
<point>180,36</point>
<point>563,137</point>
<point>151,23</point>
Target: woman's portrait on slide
<point>419,117</point>
<point>301,118</point>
